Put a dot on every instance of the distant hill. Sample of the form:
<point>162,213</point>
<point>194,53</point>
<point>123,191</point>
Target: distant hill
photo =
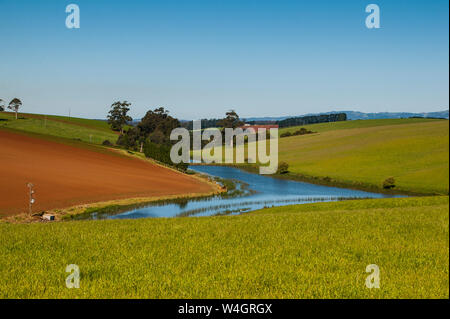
<point>355,115</point>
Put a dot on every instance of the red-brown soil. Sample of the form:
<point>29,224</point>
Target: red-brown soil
<point>66,175</point>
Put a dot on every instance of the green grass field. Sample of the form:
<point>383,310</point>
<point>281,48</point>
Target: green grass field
<point>89,131</point>
<point>333,126</point>
<point>416,154</point>
<point>303,251</point>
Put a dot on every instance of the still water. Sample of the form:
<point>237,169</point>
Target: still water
<point>258,192</point>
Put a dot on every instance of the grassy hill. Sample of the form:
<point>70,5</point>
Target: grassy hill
<point>304,251</point>
<point>324,127</point>
<point>86,130</point>
<point>415,152</point>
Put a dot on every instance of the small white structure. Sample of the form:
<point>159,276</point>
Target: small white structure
<point>48,217</point>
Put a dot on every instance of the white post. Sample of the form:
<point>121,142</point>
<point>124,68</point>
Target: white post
<point>31,199</point>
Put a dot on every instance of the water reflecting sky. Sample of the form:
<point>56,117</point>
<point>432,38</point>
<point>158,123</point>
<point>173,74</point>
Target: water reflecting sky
<point>268,192</point>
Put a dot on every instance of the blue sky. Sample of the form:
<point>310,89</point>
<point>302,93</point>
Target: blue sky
<point>201,58</point>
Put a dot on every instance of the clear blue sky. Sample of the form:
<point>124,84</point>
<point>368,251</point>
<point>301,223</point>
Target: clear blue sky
<point>201,58</point>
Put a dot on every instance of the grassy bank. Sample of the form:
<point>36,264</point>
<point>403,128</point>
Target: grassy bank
<point>305,251</point>
<point>416,155</point>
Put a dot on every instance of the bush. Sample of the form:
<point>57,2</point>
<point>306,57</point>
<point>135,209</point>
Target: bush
<point>283,168</point>
<point>161,153</point>
<point>389,183</point>
<point>301,131</point>
<point>107,143</point>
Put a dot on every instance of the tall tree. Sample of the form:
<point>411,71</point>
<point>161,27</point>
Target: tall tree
<point>118,117</point>
<point>158,121</point>
<point>2,105</point>
<point>231,120</point>
<point>14,105</point>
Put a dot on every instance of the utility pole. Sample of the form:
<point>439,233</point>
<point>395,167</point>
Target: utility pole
<point>31,198</point>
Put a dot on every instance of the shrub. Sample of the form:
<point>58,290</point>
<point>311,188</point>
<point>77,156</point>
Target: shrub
<point>161,153</point>
<point>283,168</point>
<point>107,143</point>
<point>389,183</point>
<point>301,131</point>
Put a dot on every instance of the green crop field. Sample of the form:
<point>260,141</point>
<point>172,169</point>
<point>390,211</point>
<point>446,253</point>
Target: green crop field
<point>89,131</point>
<point>303,251</point>
<point>415,154</point>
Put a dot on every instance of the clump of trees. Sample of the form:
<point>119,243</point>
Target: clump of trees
<point>301,131</point>
<point>389,183</point>
<point>161,153</point>
<point>2,105</point>
<point>155,126</point>
<point>152,136</point>
<point>118,115</point>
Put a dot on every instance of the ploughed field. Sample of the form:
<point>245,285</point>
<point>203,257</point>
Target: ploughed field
<point>65,175</point>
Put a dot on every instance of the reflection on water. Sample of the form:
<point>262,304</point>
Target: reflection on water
<point>265,192</point>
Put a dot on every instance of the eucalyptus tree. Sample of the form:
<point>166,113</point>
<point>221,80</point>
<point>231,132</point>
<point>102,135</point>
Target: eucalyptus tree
<point>14,105</point>
<point>117,116</point>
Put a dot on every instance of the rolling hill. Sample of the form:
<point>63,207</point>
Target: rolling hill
<point>85,130</point>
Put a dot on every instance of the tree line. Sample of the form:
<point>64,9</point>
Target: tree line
<point>292,121</point>
<point>312,119</point>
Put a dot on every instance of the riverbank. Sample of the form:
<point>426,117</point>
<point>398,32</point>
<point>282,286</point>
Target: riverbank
<point>324,181</point>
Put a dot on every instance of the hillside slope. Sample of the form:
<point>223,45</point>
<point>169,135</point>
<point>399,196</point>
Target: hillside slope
<point>416,154</point>
<point>85,130</point>
<point>66,175</point>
